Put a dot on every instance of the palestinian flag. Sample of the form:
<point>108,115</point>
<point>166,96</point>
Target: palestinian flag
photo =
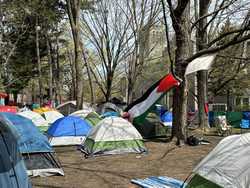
<point>139,109</point>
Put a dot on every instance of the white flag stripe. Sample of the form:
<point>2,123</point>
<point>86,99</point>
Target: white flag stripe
<point>142,107</point>
<point>200,63</point>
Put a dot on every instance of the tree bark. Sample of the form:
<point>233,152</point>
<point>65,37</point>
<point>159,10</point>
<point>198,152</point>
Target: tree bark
<point>202,75</point>
<point>50,70</point>
<point>86,64</point>
<point>73,7</point>
<point>39,64</point>
<point>72,66</point>
<point>109,86</point>
<point>180,21</point>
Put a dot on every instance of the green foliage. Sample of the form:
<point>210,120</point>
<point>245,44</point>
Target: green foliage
<point>229,74</point>
<point>240,108</point>
<point>18,60</point>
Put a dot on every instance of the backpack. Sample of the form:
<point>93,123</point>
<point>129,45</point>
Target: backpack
<point>192,141</point>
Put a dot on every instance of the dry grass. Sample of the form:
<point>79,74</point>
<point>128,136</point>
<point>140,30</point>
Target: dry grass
<point>116,171</point>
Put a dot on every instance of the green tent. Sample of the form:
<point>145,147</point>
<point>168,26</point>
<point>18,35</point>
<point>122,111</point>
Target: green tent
<point>151,127</point>
<point>198,181</point>
<point>113,135</point>
<point>93,118</point>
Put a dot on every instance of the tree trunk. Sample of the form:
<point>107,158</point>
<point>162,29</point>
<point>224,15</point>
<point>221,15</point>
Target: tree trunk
<point>202,75</point>
<point>181,27</point>
<point>39,64</point>
<point>72,66</point>
<point>109,86</point>
<point>73,7</point>
<point>58,96</point>
<point>50,71</point>
<point>130,89</point>
<point>229,108</point>
<point>86,64</point>
<point>78,68</point>
<point>15,97</point>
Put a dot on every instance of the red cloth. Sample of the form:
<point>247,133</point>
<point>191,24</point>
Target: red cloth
<point>168,82</point>
<point>206,109</point>
<point>11,109</point>
<point>3,95</point>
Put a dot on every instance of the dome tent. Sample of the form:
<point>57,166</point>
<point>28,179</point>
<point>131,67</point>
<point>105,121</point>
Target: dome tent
<point>9,150</point>
<point>68,130</point>
<point>113,135</point>
<point>93,118</point>
<point>52,116</point>
<point>36,118</point>
<point>38,155</point>
<point>227,165</point>
<point>82,113</point>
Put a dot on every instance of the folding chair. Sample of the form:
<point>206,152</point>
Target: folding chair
<point>222,126</point>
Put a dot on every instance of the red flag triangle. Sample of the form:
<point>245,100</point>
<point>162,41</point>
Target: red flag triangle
<point>168,82</point>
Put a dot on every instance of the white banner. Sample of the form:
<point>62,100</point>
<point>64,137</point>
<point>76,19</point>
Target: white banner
<point>200,63</point>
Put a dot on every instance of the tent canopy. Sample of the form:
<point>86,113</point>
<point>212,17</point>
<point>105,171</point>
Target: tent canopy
<point>31,140</point>
<point>69,126</point>
<point>82,113</point>
<point>34,146</point>
<point>227,165</point>
<point>43,109</point>
<point>36,118</point>
<point>110,114</point>
<point>52,116</point>
<point>11,160</point>
<point>93,118</point>
<point>113,135</point>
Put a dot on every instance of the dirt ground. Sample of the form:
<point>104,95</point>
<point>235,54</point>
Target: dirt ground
<point>116,171</point>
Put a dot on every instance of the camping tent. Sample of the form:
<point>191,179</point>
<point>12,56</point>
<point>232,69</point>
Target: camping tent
<point>93,118</point>
<point>52,116</point>
<point>36,118</point>
<point>167,118</point>
<point>227,165</point>
<point>113,135</point>
<point>38,154</point>
<point>68,130</point>
<point>67,107</point>
<point>82,113</point>
<point>110,114</point>
<point>43,109</point>
<point>108,106</point>
<point>12,169</point>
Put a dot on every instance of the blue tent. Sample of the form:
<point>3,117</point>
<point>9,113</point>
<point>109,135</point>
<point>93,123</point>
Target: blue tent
<point>167,118</point>
<point>69,126</point>
<point>31,140</point>
<point>110,114</point>
<point>38,155</point>
<point>12,169</point>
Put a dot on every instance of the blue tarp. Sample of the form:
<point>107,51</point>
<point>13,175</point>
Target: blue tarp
<point>245,123</point>
<point>110,114</point>
<point>12,169</point>
<point>158,182</point>
<point>167,117</point>
<point>69,126</point>
<point>30,139</point>
<point>246,115</point>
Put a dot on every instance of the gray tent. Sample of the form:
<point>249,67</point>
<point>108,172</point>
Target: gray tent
<point>12,169</point>
<point>227,165</point>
